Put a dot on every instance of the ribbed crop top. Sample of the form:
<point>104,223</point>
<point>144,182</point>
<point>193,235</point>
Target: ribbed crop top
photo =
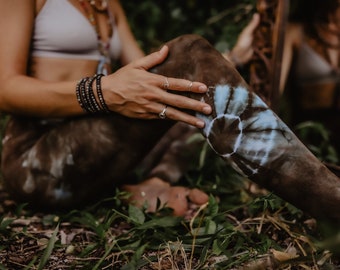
<point>62,31</point>
<point>311,67</point>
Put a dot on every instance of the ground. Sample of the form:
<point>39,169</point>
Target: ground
<point>259,231</point>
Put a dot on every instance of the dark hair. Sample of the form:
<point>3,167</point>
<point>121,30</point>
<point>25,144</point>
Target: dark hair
<point>313,14</point>
<point>312,11</point>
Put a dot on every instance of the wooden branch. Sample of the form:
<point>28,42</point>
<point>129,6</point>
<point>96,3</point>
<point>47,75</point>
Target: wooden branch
<point>265,67</point>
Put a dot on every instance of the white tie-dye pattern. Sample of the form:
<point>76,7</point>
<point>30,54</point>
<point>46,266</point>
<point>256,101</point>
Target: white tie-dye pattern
<point>30,161</point>
<point>62,193</point>
<point>264,129</point>
<point>29,185</point>
<point>69,159</point>
<point>57,166</point>
<point>221,95</point>
<point>237,104</point>
<point>58,162</point>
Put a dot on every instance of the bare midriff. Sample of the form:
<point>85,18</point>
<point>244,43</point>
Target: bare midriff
<point>58,69</point>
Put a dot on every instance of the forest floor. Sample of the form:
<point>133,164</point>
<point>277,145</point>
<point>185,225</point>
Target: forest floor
<point>262,233</point>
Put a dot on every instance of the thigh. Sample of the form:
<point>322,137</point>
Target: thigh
<point>67,162</point>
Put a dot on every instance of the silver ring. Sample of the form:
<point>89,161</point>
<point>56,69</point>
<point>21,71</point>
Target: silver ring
<point>166,85</point>
<point>190,85</point>
<point>162,114</point>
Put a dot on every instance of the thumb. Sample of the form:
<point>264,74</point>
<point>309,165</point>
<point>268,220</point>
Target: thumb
<point>152,59</point>
<point>253,23</point>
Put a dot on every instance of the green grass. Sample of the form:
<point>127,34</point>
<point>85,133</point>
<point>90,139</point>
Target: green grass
<point>214,238</point>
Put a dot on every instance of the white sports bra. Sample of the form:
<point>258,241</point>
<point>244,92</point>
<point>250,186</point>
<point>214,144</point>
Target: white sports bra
<point>62,31</point>
<point>312,67</point>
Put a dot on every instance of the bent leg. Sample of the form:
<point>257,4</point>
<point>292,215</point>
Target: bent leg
<point>172,156</point>
<point>247,134</point>
<point>71,162</point>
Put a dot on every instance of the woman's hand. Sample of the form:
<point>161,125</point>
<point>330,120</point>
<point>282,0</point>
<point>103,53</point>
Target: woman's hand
<point>243,50</point>
<point>134,92</point>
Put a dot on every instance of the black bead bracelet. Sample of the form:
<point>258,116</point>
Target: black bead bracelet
<point>86,97</point>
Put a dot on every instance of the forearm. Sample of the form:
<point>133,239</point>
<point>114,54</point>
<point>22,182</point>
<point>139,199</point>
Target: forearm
<point>32,97</point>
<point>243,50</point>
<point>233,58</point>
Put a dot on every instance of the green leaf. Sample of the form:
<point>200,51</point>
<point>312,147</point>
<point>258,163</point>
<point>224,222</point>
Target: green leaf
<point>136,214</point>
<point>210,227</point>
<point>167,221</point>
<point>203,155</point>
<point>213,206</point>
<point>216,249</point>
<point>4,223</point>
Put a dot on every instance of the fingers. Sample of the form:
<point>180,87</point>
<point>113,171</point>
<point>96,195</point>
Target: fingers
<point>243,50</point>
<point>253,23</point>
<point>173,106</point>
<point>156,58</point>
<point>152,59</point>
<point>173,113</point>
<point>146,94</point>
<point>182,85</point>
<point>246,36</point>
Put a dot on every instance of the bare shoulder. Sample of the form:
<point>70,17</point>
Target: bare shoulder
<point>294,33</point>
<point>114,2</point>
<point>116,9</point>
<point>17,13</point>
<point>39,5</point>
<point>17,5</point>
<point>295,28</point>
<point>17,19</point>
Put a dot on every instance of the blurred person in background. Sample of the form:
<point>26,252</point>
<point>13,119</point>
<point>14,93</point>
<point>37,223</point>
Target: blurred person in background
<point>311,67</point>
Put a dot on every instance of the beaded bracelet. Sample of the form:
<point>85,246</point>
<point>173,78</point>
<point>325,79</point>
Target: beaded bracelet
<point>86,97</point>
<point>79,94</point>
<point>100,93</point>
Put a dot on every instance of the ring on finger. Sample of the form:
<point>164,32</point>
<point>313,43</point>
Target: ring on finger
<point>166,85</point>
<point>162,114</point>
<point>190,85</point>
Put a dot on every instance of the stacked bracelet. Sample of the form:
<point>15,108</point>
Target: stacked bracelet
<point>86,97</point>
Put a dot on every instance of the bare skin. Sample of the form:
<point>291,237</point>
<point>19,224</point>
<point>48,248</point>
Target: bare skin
<point>48,88</point>
<point>295,35</point>
<point>243,50</point>
<point>177,198</point>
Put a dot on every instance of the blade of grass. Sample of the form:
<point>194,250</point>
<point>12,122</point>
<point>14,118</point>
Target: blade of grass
<point>104,256</point>
<point>48,251</point>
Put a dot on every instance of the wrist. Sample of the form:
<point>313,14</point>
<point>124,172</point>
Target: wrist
<point>90,96</point>
<point>235,59</point>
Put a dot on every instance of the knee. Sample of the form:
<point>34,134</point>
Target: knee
<point>36,188</point>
